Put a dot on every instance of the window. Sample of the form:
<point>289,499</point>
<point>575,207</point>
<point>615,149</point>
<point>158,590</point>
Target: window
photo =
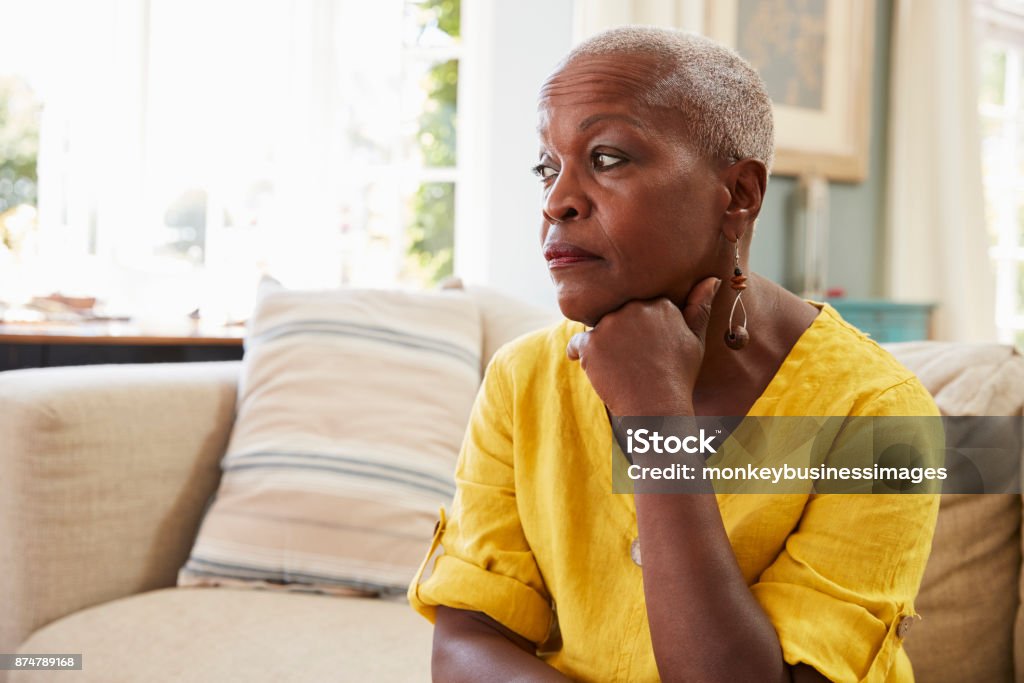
<point>191,146</point>
<point>19,149</point>
<point>1001,109</point>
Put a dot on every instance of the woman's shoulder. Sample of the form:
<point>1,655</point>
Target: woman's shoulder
<point>538,358</point>
<point>538,345</point>
<point>835,367</point>
<point>858,355</point>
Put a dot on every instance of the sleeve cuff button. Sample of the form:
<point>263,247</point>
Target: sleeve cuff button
<point>904,626</point>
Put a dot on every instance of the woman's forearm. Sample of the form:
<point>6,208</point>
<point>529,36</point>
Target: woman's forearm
<point>705,623</point>
<point>471,647</point>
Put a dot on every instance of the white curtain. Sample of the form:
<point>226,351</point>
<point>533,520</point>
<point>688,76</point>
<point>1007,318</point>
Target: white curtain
<point>936,240</point>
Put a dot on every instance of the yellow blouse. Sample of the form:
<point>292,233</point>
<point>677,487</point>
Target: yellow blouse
<point>535,529</point>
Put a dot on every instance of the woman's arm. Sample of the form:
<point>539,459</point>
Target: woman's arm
<point>487,565</point>
<point>472,647</point>
<point>705,623</point>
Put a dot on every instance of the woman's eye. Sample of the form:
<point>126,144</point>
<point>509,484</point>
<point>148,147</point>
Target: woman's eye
<point>544,172</point>
<point>605,161</point>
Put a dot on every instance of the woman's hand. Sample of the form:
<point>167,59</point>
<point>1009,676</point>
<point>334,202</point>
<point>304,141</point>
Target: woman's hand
<point>644,358</point>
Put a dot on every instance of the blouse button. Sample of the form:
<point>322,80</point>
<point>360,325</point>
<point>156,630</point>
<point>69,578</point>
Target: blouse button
<point>904,626</point>
<point>634,551</point>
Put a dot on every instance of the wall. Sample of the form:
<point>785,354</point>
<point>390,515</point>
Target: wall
<point>512,47</point>
<point>856,220</point>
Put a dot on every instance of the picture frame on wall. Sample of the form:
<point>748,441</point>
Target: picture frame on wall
<point>816,59</point>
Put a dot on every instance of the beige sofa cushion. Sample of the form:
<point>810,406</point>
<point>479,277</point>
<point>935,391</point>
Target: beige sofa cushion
<point>968,599</point>
<point>504,318</point>
<point>351,410</point>
<point>189,635</point>
<point>968,596</point>
<point>967,379</point>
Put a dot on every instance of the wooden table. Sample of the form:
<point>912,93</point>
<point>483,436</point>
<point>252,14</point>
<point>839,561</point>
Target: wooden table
<point>39,345</point>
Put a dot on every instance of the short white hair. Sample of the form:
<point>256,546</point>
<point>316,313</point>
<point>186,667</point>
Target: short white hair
<point>720,95</point>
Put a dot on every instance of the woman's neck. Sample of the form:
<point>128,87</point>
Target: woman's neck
<point>730,381</point>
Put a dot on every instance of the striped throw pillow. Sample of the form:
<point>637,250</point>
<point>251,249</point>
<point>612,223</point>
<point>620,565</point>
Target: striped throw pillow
<point>351,410</point>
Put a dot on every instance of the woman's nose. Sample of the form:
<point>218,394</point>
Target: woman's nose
<point>566,201</point>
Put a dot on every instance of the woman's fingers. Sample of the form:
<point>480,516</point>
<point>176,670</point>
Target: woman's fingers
<point>576,345</point>
<point>697,311</point>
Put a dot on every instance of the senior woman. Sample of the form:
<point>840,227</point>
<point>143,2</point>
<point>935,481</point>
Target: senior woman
<point>654,159</point>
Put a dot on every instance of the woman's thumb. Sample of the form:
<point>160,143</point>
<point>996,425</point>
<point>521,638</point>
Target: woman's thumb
<point>697,311</point>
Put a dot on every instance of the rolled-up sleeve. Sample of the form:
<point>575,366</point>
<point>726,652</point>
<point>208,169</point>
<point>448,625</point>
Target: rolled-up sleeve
<point>485,563</point>
<point>841,594</point>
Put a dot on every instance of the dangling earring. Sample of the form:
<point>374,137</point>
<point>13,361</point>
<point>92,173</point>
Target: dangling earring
<point>737,337</point>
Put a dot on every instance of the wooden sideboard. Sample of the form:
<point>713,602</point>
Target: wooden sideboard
<point>887,321</point>
<point>40,345</point>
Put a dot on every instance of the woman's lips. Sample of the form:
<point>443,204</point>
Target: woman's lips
<point>562,255</point>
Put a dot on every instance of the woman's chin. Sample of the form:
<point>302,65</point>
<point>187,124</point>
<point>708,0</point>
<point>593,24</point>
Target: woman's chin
<point>584,310</point>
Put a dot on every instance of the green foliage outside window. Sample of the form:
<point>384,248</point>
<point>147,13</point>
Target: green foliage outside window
<point>446,14</point>
<point>431,230</point>
<point>19,149</point>
<point>437,123</point>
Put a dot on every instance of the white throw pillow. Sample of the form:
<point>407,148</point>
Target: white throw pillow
<point>351,409</point>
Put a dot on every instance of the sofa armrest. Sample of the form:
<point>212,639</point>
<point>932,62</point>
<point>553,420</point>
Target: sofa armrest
<point>105,472</point>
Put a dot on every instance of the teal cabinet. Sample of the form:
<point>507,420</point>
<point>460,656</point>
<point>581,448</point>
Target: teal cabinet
<point>887,321</point>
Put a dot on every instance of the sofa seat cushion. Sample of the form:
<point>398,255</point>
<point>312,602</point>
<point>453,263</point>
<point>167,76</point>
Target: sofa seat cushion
<point>216,635</point>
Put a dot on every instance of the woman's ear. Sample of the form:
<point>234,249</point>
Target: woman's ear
<point>746,181</point>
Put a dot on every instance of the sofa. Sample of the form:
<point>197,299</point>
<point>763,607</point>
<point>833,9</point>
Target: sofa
<point>106,472</point>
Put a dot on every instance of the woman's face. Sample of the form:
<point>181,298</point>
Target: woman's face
<point>631,210</point>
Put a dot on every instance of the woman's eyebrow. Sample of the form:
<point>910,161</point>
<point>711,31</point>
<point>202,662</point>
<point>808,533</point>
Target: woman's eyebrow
<point>591,120</point>
<point>596,118</point>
